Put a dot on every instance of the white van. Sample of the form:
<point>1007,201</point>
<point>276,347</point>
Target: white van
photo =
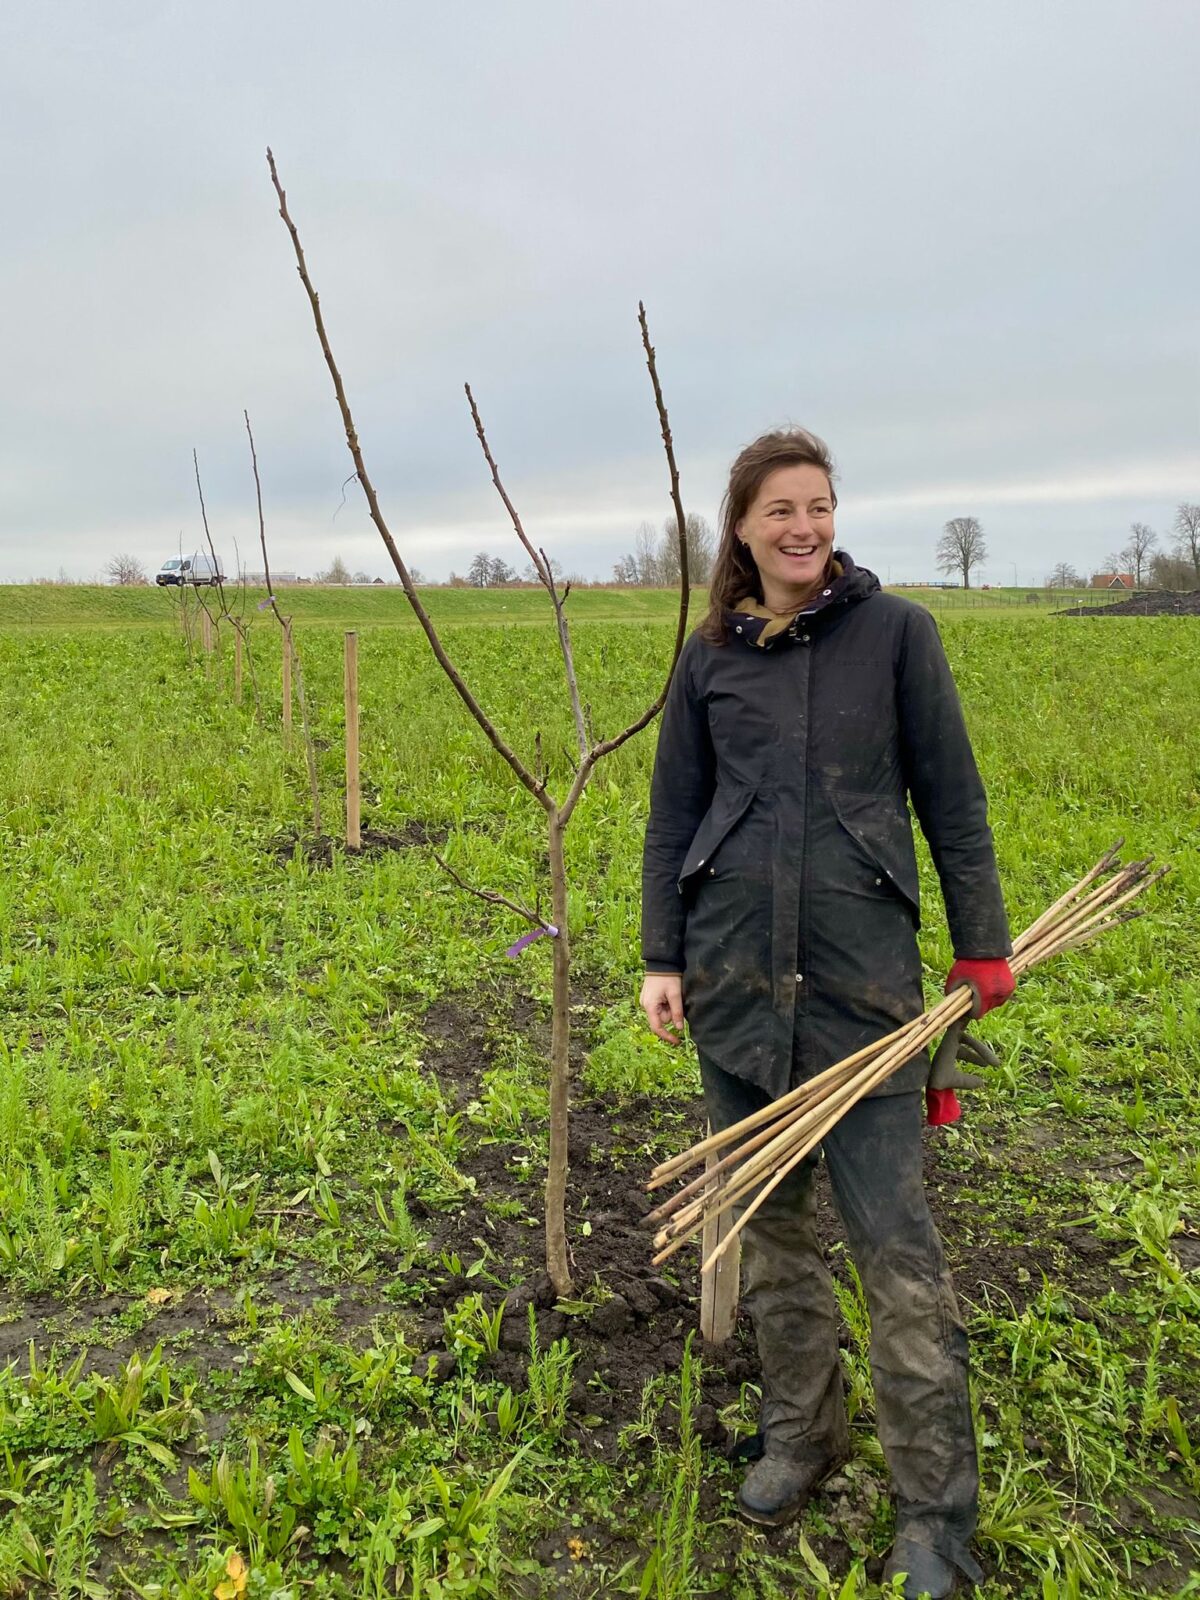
<point>197,568</point>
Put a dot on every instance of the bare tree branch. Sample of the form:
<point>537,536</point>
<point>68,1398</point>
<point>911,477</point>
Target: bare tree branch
<point>310,751</point>
<point>606,746</point>
<point>545,572</point>
<point>532,917</point>
<point>502,749</point>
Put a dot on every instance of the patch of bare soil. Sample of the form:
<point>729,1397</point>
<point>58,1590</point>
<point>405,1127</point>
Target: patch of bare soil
<point>320,850</point>
<point>1151,603</point>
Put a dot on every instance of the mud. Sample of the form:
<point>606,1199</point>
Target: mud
<point>1148,603</point>
<point>321,850</point>
<point>629,1323</point>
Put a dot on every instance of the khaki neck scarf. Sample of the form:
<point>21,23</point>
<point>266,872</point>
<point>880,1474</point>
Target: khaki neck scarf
<point>777,623</point>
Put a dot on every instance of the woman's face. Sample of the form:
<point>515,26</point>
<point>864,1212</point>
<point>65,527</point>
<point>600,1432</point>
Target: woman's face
<point>788,529</point>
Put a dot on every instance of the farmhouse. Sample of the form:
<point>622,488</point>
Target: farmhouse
<point>1112,580</point>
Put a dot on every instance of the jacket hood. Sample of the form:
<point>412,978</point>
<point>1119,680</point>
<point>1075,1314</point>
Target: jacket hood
<point>752,623</point>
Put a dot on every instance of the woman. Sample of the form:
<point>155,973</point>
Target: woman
<point>780,909</point>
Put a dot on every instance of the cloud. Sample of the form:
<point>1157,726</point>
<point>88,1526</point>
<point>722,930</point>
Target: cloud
<point>960,243</point>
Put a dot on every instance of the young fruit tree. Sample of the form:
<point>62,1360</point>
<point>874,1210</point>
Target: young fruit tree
<point>558,809</point>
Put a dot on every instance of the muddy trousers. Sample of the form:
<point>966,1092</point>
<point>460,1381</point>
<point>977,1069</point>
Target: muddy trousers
<point>918,1342</point>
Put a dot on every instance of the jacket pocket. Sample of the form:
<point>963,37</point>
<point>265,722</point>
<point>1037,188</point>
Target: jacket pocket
<point>879,824</point>
<point>729,806</point>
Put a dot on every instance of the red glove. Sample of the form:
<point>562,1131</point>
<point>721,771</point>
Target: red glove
<point>992,982</point>
<point>941,1106</point>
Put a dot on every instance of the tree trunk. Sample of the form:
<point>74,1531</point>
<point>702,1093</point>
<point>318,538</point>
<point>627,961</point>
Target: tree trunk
<point>560,1069</point>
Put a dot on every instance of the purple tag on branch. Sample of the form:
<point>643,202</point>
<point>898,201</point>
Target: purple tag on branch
<point>526,939</point>
<point>269,601</point>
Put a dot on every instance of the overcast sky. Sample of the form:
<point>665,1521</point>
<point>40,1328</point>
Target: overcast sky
<point>961,241</point>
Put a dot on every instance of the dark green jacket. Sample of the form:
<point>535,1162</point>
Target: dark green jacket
<point>779,875</point>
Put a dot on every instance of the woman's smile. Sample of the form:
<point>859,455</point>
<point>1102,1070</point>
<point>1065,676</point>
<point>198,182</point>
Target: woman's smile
<point>788,530</point>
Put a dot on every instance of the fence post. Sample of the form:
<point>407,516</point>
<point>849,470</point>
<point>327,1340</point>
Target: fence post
<point>353,798</point>
<point>719,1286</point>
<point>287,683</point>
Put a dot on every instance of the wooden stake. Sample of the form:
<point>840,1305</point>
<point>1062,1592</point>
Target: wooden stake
<point>353,797</point>
<point>287,683</point>
<point>237,669</point>
<point>206,639</point>
<point>720,1284</point>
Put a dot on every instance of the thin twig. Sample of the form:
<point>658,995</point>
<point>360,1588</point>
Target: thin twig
<point>521,771</point>
<point>310,752</point>
<point>541,565</point>
<point>490,896</point>
<point>607,746</point>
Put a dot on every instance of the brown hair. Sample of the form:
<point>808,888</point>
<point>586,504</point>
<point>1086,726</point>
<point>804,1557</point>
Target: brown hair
<point>734,573</point>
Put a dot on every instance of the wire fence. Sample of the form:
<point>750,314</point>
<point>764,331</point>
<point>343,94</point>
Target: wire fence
<point>1012,599</point>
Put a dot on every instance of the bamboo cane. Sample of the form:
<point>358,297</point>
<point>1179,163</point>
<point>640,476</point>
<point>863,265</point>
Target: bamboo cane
<point>688,1158</point>
<point>719,1168</point>
<point>1048,916</point>
<point>955,1005</point>
<point>772,1142</point>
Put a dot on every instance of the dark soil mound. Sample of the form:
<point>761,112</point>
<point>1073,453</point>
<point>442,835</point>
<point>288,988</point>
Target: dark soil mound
<point>1153,603</point>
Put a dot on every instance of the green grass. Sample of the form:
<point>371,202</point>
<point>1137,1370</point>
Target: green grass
<point>223,1126</point>
<point>78,605</point>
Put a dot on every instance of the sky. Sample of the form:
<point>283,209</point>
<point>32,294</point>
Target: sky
<point>960,242</point>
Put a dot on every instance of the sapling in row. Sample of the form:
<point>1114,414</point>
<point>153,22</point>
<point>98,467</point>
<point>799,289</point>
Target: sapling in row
<point>532,776</point>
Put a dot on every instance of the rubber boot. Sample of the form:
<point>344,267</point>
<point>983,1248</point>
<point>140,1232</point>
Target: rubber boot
<point>926,1572</point>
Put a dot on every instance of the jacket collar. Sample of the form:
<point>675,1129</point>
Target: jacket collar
<point>845,584</point>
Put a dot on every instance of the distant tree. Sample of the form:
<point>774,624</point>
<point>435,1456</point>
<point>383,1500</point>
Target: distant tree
<point>418,577</point>
<point>1170,572</point>
<point>701,546</point>
<point>1136,554</point>
<point>529,573</point>
<point>1064,576</point>
<point>455,581</point>
<point>653,563</point>
<point>361,577</point>
<point>961,547</point>
<point>338,572</point>
<point>1187,536</point>
<point>489,572</point>
<point>645,556</point>
<point>125,570</point>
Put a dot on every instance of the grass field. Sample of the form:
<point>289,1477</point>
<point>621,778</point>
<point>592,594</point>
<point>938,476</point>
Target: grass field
<point>75,605</point>
<point>272,1130</point>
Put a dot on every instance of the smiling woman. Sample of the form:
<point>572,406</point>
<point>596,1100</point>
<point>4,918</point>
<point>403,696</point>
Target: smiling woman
<point>780,909</point>
<point>776,528</point>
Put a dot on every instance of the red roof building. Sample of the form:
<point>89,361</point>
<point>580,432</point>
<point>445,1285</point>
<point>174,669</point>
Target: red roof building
<point>1112,580</point>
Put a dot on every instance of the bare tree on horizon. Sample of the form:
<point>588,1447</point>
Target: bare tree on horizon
<point>961,547</point>
<point>1064,576</point>
<point>1187,535</point>
<point>126,569</point>
<point>1136,554</point>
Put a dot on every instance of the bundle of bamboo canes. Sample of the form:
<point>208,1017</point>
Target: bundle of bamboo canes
<point>769,1144</point>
